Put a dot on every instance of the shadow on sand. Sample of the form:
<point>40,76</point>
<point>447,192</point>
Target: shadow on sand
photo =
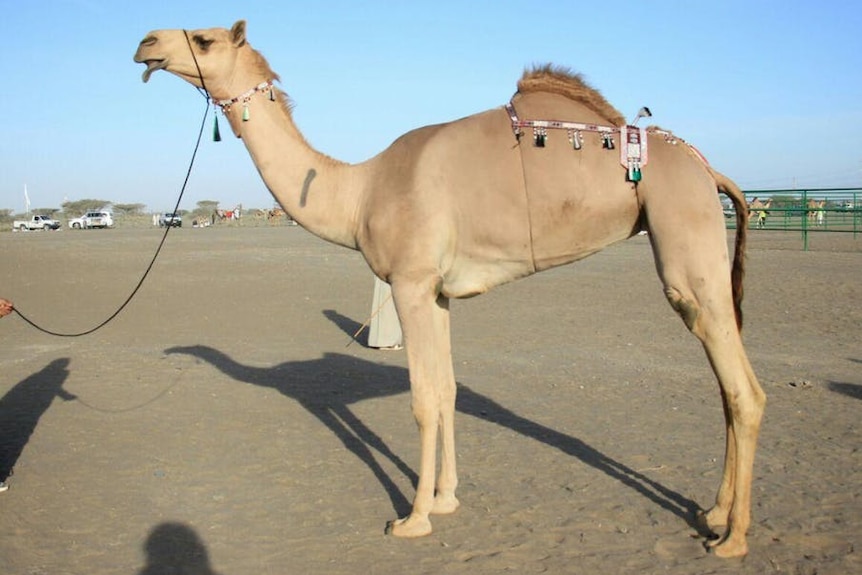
<point>853,390</point>
<point>327,387</point>
<point>175,548</point>
<point>23,405</point>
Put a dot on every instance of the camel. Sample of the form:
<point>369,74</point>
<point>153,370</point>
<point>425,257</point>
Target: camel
<point>816,211</point>
<point>230,215</point>
<point>453,210</point>
<point>759,209</point>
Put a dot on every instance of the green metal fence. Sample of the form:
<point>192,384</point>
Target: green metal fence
<point>805,211</point>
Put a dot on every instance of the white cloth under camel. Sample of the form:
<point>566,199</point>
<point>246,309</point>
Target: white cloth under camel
<point>385,328</point>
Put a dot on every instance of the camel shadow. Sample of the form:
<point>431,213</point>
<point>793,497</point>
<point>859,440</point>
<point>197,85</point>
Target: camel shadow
<point>175,548</point>
<point>326,387</point>
<point>23,406</point>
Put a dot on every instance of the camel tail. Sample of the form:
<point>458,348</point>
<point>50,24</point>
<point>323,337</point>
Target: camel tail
<point>737,273</point>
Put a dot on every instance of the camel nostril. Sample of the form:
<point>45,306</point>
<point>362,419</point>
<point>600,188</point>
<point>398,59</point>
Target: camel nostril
<point>149,41</point>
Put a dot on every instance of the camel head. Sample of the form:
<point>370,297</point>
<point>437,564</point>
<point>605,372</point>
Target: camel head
<point>210,53</point>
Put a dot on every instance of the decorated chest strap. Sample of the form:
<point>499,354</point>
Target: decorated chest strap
<point>633,140</point>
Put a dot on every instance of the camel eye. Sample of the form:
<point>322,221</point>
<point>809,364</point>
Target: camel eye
<point>203,43</point>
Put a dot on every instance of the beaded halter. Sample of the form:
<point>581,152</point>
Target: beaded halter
<point>244,99</point>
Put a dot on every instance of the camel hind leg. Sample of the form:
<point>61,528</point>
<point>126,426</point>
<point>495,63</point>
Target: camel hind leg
<point>692,262</point>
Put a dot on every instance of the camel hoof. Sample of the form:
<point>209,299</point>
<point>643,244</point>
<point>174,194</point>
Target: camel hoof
<point>409,527</point>
<point>445,504</point>
<point>729,548</point>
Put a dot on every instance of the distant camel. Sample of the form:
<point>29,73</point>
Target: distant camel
<point>759,209</point>
<point>453,210</point>
<point>229,215</point>
<point>816,211</point>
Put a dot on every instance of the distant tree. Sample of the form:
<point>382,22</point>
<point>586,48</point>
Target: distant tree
<point>785,201</point>
<point>129,209</point>
<point>44,211</point>
<point>78,207</point>
<point>5,216</point>
<point>205,209</point>
<point>207,206</point>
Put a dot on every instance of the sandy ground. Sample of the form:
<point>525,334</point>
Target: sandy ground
<point>221,424</point>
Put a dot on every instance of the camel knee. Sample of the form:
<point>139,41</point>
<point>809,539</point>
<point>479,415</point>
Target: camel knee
<point>426,411</point>
<point>747,410</point>
<point>687,308</point>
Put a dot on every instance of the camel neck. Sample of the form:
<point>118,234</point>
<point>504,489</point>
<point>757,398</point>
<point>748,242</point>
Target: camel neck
<point>319,192</point>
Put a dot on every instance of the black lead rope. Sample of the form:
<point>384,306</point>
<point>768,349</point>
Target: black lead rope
<point>204,93</point>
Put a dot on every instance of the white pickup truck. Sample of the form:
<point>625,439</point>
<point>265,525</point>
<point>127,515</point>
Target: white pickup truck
<point>36,223</point>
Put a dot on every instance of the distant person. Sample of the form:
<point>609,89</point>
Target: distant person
<point>384,331</point>
<point>759,209</point>
<point>6,308</point>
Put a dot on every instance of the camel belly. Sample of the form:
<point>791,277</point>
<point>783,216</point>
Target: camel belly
<point>578,201</point>
<point>579,225</point>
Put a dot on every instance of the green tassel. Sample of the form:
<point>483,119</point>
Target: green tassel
<point>245,113</point>
<point>216,134</point>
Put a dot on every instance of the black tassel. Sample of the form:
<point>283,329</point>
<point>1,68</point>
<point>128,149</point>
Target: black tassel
<point>216,134</point>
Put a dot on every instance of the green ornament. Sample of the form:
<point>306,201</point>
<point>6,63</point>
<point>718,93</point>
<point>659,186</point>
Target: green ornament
<point>216,134</point>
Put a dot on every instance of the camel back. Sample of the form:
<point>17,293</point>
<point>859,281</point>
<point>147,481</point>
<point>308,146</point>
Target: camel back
<point>564,82</point>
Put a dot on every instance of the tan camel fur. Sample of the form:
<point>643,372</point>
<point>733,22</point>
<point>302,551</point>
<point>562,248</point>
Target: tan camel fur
<point>453,210</point>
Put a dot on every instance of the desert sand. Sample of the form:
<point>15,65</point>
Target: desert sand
<point>225,423</point>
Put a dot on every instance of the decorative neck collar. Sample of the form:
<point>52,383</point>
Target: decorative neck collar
<point>245,97</point>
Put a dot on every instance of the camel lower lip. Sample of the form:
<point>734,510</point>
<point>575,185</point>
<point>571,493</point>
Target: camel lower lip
<point>152,66</point>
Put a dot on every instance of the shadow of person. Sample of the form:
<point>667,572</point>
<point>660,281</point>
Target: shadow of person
<point>175,548</point>
<point>853,390</point>
<point>326,387</point>
<point>23,405</point>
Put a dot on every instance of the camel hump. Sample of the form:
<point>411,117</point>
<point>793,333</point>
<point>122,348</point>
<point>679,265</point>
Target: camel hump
<point>562,81</point>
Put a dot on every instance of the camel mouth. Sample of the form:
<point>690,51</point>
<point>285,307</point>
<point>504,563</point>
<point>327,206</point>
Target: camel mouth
<point>152,66</point>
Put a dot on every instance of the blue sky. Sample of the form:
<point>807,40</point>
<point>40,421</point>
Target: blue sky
<point>770,91</point>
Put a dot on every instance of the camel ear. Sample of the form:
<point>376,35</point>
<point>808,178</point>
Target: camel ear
<point>237,33</point>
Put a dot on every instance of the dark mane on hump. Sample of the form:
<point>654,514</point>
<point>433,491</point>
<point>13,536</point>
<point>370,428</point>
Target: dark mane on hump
<point>562,81</point>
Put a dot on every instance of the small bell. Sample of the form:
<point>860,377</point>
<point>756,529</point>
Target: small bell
<point>539,137</point>
<point>271,94</point>
<point>608,142</point>
<point>575,139</point>
<point>216,134</point>
<point>245,114</point>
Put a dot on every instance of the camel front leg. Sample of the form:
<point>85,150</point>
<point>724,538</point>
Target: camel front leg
<point>425,323</point>
<point>445,500</point>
